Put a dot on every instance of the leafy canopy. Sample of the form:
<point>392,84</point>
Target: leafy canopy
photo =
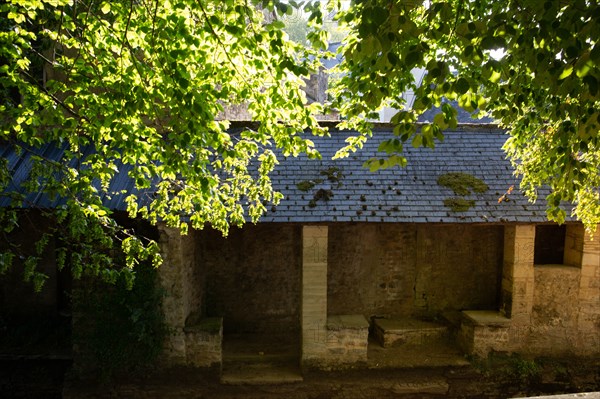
<point>533,65</point>
<point>138,88</point>
<point>141,88</point>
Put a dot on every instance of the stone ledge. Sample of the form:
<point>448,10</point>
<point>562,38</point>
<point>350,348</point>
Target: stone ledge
<point>407,331</point>
<point>210,325</point>
<point>486,318</point>
<point>347,322</point>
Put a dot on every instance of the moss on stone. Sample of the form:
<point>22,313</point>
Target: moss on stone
<point>457,204</point>
<point>462,183</point>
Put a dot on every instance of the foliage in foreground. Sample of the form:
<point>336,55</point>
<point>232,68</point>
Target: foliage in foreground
<point>118,329</point>
<point>533,65</point>
<point>140,88</point>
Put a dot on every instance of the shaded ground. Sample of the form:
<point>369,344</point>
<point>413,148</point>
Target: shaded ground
<point>501,378</point>
<point>35,355</point>
<point>30,377</point>
<point>436,370</point>
<point>456,382</point>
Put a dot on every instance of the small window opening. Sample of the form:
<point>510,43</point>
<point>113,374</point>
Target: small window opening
<point>549,244</point>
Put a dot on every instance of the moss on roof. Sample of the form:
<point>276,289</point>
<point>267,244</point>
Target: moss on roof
<point>462,183</point>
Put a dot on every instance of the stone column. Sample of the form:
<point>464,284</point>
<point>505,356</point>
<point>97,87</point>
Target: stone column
<point>589,293</point>
<point>518,273</point>
<point>314,294</point>
<point>174,274</point>
<point>574,238</point>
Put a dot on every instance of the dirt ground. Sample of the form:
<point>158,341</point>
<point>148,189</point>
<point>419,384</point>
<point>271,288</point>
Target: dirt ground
<point>417,383</point>
<point>45,380</point>
<point>425,372</point>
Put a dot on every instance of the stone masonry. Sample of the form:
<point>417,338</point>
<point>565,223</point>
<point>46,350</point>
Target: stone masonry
<point>347,340</point>
<point>518,274</point>
<point>328,341</point>
<point>551,310</point>
<point>541,309</point>
<point>314,294</point>
<point>192,341</point>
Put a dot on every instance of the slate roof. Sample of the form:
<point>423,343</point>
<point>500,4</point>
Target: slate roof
<point>20,165</point>
<point>408,195</point>
<point>462,115</point>
<point>354,194</point>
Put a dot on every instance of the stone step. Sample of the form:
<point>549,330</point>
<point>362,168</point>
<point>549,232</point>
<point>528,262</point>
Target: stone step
<point>407,331</point>
<point>261,373</point>
<point>260,357</point>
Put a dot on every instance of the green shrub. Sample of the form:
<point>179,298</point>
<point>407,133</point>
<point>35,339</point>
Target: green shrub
<point>119,329</point>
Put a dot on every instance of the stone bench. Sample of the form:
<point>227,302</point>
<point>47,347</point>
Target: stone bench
<point>483,331</point>
<point>204,341</point>
<point>407,331</point>
<point>347,339</point>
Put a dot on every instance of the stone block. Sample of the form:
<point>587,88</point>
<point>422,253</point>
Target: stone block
<point>346,343</point>
<point>484,331</point>
<point>174,349</point>
<point>203,342</point>
<point>314,248</point>
<point>437,386</point>
<point>407,331</point>
<point>590,260</point>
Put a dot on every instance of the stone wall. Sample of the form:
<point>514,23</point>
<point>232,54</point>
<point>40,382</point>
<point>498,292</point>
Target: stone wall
<point>555,309</point>
<point>253,278</point>
<point>565,317</point>
<point>396,270</point>
<point>550,310</point>
<point>240,112</point>
<point>287,278</point>
<point>458,267</point>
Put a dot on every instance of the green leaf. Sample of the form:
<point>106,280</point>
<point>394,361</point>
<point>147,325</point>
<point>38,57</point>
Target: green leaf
<point>234,30</point>
<point>461,86</point>
<point>595,52</point>
<point>439,120</point>
<point>392,58</point>
<point>417,141</point>
<point>567,71</point>
<point>592,84</point>
<point>412,58</point>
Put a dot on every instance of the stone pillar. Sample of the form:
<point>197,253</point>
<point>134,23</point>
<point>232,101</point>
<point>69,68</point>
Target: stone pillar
<point>314,294</point>
<point>589,292</point>
<point>178,302</point>
<point>574,238</point>
<point>518,273</point>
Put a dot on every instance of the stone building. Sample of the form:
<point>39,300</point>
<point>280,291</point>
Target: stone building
<point>446,248</point>
<point>398,255</point>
